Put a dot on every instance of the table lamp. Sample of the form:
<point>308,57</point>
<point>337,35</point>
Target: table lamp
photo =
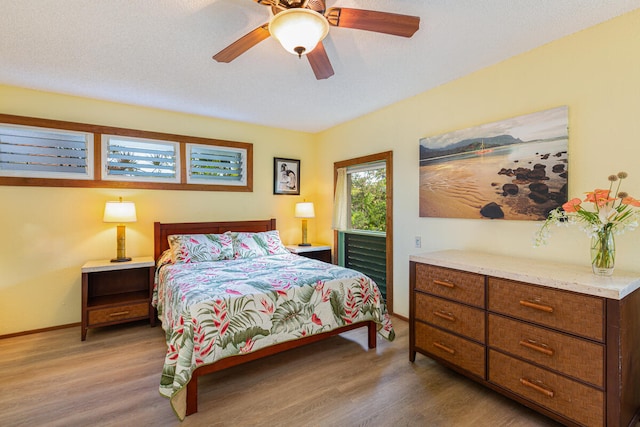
<point>120,212</point>
<point>304,210</point>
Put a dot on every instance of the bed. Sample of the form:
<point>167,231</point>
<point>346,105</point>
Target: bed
<point>220,309</point>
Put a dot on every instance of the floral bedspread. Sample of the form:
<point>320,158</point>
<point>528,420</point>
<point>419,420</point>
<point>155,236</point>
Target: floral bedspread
<point>212,310</point>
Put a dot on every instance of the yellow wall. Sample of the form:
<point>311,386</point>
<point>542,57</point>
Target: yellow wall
<point>48,233</point>
<point>595,72</point>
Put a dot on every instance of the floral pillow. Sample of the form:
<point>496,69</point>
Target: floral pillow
<point>164,259</point>
<point>186,248</point>
<point>251,245</point>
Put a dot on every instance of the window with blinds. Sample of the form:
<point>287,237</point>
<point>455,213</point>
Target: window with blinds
<point>52,153</point>
<point>137,159</point>
<point>45,153</point>
<point>216,165</point>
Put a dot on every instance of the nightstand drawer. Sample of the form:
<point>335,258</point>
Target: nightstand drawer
<point>459,351</point>
<point>452,284</point>
<point>576,401</point>
<point>575,313</point>
<point>458,318</point>
<point>118,313</point>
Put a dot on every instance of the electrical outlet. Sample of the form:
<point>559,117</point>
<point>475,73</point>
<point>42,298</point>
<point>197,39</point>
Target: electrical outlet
<point>418,242</point>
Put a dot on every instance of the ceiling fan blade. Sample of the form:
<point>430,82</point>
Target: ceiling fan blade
<point>371,20</point>
<point>320,63</point>
<point>243,44</point>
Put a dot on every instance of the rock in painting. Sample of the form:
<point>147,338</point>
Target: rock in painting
<point>511,189</point>
<point>492,210</point>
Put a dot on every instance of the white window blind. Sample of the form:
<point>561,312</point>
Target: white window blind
<point>45,153</point>
<point>208,164</point>
<point>137,159</point>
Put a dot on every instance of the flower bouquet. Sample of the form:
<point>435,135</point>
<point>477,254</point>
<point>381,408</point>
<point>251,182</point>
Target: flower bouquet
<point>612,213</point>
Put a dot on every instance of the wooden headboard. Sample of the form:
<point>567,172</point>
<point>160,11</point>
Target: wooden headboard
<point>162,231</point>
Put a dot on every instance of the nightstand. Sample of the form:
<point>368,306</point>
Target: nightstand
<point>315,251</point>
<point>116,292</point>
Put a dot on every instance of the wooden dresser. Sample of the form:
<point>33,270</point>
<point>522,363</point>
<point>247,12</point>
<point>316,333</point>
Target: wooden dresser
<point>553,337</point>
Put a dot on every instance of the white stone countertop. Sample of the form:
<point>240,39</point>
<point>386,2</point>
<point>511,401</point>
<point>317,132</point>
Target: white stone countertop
<point>301,249</point>
<point>107,265</point>
<point>569,277</point>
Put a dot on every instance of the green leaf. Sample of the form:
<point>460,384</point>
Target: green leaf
<point>287,317</point>
<point>305,293</point>
<point>243,336</point>
<point>337,306</point>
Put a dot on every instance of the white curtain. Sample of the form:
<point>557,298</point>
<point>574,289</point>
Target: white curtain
<point>340,202</point>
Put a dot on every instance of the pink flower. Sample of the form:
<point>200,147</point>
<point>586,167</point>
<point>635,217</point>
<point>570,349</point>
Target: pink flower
<point>631,201</point>
<point>599,197</point>
<point>612,209</point>
<point>248,346</point>
<point>572,205</point>
<point>268,307</point>
<point>315,319</point>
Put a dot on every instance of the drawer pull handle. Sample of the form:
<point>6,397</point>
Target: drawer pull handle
<point>445,284</point>
<point>537,386</point>
<point>119,313</point>
<point>444,348</point>
<point>537,306</point>
<point>444,315</point>
<point>541,348</point>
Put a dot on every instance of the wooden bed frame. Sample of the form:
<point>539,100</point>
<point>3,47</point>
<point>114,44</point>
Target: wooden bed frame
<point>162,231</point>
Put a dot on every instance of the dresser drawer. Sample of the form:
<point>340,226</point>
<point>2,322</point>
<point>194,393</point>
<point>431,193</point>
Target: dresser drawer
<point>574,313</point>
<point>574,400</point>
<point>461,319</point>
<point>459,351</point>
<point>569,355</point>
<point>453,284</point>
<point>118,313</point>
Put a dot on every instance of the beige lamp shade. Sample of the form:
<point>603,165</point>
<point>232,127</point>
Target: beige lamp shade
<point>299,30</point>
<point>119,212</point>
<point>305,210</point>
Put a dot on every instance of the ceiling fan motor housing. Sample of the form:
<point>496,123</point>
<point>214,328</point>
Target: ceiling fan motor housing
<point>299,30</point>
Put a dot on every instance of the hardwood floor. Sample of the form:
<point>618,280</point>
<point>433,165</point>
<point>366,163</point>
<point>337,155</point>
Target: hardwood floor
<point>54,379</point>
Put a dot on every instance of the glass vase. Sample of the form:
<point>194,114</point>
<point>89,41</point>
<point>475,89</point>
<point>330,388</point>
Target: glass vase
<point>603,252</point>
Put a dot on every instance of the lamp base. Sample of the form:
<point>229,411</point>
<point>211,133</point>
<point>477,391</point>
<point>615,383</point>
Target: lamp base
<point>304,244</point>
<point>120,259</point>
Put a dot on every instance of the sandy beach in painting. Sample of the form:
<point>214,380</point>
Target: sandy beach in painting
<point>459,186</point>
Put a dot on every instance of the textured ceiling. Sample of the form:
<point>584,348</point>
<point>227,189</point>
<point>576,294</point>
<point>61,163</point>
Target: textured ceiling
<point>157,53</point>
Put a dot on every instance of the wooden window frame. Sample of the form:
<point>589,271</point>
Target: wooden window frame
<point>387,158</point>
<point>98,182</point>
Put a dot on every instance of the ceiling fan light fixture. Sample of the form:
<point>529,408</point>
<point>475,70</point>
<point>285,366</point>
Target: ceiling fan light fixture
<point>299,30</point>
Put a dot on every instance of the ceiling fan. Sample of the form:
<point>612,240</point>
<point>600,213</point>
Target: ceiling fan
<point>301,25</point>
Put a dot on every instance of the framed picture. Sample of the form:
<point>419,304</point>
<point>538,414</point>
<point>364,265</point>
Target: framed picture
<point>286,176</point>
<point>512,169</point>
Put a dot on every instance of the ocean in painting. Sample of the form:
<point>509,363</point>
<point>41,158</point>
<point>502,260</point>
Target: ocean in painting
<point>460,185</point>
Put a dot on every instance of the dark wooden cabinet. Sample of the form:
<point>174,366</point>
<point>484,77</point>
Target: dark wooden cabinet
<point>315,251</point>
<point>557,339</point>
<point>115,293</point>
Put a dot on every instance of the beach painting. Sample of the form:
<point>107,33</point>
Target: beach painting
<point>512,169</point>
